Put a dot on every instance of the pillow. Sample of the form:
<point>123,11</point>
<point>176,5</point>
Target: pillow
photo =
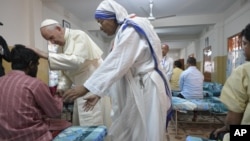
<point>182,104</point>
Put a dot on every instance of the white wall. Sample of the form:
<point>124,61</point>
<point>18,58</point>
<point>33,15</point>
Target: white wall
<point>15,17</point>
<point>175,54</point>
<point>21,22</point>
<point>232,22</point>
<point>192,48</point>
<point>183,53</point>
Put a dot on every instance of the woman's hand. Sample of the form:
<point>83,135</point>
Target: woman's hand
<point>91,102</point>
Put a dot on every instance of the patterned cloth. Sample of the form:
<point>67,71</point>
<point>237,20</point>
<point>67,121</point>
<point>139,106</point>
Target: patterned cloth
<point>81,133</point>
<point>192,138</point>
<point>212,87</point>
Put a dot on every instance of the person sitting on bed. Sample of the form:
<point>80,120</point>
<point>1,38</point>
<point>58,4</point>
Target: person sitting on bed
<point>235,93</point>
<point>26,103</point>
<point>174,81</point>
<point>191,83</point>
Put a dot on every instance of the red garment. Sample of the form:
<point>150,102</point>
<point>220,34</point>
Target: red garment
<point>24,101</point>
<point>57,125</point>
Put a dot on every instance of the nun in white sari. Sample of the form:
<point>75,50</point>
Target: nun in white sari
<point>131,75</point>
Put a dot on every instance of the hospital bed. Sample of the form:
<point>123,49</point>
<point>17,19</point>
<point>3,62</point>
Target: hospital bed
<point>209,104</point>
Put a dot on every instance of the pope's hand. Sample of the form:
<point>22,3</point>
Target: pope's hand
<point>59,92</point>
<point>91,102</point>
<point>72,94</point>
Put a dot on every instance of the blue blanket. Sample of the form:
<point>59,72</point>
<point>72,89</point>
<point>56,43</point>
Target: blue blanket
<point>193,138</point>
<point>212,104</point>
<point>82,133</point>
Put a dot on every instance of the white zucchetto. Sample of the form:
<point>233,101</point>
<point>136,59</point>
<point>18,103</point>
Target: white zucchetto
<point>48,22</point>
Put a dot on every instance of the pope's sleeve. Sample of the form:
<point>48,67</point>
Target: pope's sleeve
<point>64,82</point>
<point>64,62</point>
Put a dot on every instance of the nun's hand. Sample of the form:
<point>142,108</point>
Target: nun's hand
<point>91,102</point>
<point>72,94</point>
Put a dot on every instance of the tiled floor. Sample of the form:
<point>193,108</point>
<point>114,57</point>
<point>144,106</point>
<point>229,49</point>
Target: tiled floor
<point>202,127</point>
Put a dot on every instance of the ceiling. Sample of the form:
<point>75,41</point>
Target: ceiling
<point>192,16</point>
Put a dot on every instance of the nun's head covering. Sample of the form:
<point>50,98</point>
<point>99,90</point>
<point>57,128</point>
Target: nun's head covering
<point>110,9</point>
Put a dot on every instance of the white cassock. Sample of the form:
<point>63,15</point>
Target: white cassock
<point>137,91</point>
<point>80,58</point>
<point>168,66</point>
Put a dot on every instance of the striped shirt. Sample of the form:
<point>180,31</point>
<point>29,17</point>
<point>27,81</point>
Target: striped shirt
<point>24,102</point>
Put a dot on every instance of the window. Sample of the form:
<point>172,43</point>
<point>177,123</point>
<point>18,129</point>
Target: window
<point>235,56</point>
